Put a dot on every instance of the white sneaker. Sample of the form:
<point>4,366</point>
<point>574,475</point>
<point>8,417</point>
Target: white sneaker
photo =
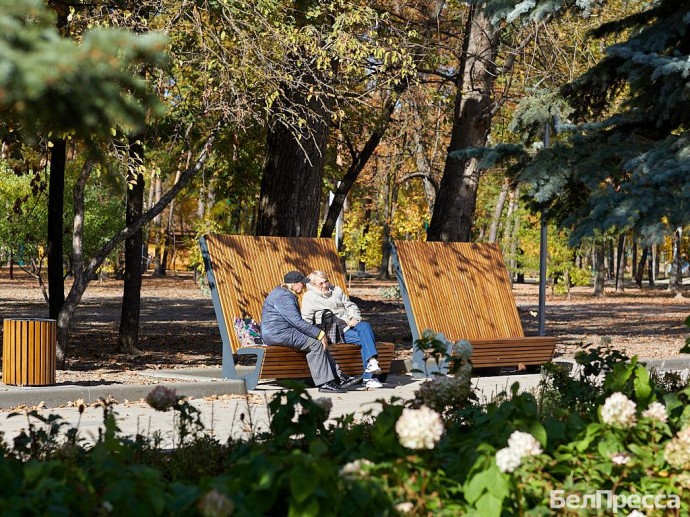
<point>372,384</point>
<point>372,367</point>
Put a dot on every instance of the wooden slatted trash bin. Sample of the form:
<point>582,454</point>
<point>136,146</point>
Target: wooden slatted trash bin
<point>28,352</point>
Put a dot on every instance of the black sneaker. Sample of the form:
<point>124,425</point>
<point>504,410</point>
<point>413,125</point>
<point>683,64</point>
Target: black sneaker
<point>331,387</point>
<point>349,380</point>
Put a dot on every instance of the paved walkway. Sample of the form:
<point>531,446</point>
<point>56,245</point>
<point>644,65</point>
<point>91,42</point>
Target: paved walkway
<point>220,409</point>
<point>222,401</point>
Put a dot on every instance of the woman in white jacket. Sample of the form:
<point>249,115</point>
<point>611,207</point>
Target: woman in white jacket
<point>347,320</point>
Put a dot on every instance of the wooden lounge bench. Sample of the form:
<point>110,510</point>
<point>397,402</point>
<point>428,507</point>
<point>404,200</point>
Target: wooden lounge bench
<point>242,270</point>
<point>463,291</point>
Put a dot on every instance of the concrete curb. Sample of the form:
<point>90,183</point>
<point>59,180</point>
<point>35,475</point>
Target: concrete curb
<point>670,364</point>
<point>204,382</point>
<point>193,382</point>
<point>54,396</point>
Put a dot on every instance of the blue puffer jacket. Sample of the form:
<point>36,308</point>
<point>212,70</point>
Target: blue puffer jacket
<point>281,321</point>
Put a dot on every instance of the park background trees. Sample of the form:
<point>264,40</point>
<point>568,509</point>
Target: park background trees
<point>418,117</point>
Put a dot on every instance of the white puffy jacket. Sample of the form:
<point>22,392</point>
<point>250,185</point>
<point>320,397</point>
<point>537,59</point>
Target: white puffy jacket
<point>314,302</point>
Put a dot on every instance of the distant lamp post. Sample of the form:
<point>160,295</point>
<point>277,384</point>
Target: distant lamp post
<point>542,251</point>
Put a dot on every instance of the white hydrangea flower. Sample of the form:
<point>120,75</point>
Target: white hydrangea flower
<point>656,411</point>
<point>636,513</point>
<point>677,451</point>
<point>419,428</point>
<point>618,410</point>
<point>508,459</point>
<point>520,445</point>
<point>524,444</point>
<point>405,507</point>
<point>355,469</point>
<point>621,458</point>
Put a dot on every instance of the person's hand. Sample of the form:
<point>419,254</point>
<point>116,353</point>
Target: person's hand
<point>353,322</point>
<point>324,341</point>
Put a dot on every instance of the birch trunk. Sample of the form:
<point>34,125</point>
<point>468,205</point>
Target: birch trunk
<point>455,204</point>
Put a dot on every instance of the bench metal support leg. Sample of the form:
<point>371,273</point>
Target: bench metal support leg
<point>420,367</point>
<point>229,371</point>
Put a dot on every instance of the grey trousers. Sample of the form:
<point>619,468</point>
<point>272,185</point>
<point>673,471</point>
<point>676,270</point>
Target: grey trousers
<point>321,364</point>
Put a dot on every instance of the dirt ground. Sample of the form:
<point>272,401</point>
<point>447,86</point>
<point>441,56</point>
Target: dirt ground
<point>178,326</point>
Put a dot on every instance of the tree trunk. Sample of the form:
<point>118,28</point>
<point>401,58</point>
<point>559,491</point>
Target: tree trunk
<point>131,299</point>
<point>640,266</point>
<point>359,160</point>
<point>633,262</point>
<point>675,279</point>
<point>163,267</point>
<point>56,192</point>
<point>517,271</point>
<point>168,237</point>
<point>291,183</point>
<point>423,165</point>
<point>390,198</point>
<point>620,264</point>
<point>159,238</point>
<point>455,204</point>
<point>493,232</point>
<point>509,244</point>
<point>656,259</point>
<point>82,279</point>
<point>599,273</point>
<point>362,265</point>
<point>151,236</point>
<point>652,261</point>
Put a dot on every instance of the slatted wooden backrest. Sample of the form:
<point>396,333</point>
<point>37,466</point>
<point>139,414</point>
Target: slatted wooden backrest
<point>460,289</point>
<point>247,268</point>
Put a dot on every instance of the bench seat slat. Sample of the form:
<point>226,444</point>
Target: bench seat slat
<point>281,362</point>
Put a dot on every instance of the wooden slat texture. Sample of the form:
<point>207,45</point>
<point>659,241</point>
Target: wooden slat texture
<point>530,350</point>
<point>29,352</point>
<point>285,363</point>
<point>463,290</point>
<point>460,289</point>
<point>247,268</point>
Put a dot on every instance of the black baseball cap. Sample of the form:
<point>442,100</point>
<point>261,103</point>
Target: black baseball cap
<point>295,276</point>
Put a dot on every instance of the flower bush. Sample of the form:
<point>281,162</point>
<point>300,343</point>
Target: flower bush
<point>623,443</point>
<point>446,393</point>
<point>447,355</point>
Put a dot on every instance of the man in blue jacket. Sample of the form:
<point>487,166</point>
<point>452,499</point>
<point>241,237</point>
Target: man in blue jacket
<point>282,324</point>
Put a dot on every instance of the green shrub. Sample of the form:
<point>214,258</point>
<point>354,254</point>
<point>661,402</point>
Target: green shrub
<point>580,276</point>
<point>612,427</point>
